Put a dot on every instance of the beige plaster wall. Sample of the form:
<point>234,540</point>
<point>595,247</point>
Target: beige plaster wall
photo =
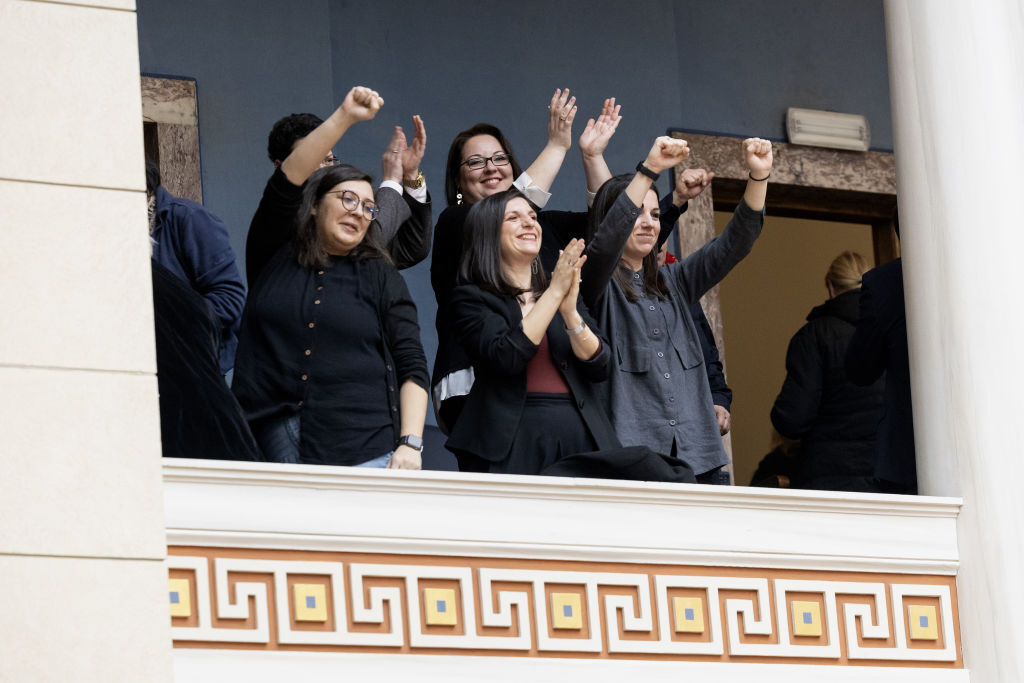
<point>81,507</point>
<point>765,300</point>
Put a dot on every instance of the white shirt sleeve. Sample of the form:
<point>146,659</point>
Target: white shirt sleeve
<point>419,193</point>
<point>534,194</point>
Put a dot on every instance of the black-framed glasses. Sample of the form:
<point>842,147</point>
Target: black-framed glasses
<point>476,162</point>
<point>351,201</point>
<point>330,160</point>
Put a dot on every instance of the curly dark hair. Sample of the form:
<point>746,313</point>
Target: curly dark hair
<point>451,169</point>
<point>311,253</point>
<point>481,255</point>
<point>654,284</point>
<point>287,131</point>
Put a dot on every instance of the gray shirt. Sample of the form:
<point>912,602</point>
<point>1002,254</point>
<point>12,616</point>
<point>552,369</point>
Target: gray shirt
<point>657,393</point>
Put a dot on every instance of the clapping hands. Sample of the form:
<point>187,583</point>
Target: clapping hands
<point>565,279</point>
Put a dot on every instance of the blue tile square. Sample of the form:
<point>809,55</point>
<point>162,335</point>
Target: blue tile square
<point>175,598</point>
<point>924,621</point>
<point>566,610</point>
<point>310,602</point>
<point>441,606</point>
<point>808,618</point>
<point>688,614</point>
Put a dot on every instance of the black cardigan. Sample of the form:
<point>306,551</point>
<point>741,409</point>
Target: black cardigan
<point>490,330</point>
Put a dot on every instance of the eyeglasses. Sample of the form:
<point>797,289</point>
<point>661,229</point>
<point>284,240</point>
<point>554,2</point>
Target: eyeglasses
<point>476,162</point>
<point>350,200</point>
<point>330,160</point>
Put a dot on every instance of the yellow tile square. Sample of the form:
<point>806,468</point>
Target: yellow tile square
<point>566,611</point>
<point>689,615</point>
<point>310,601</point>
<point>440,607</point>
<point>806,618</point>
<point>924,624</point>
<point>180,597</point>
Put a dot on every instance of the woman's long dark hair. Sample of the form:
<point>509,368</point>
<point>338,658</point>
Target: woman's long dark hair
<point>311,252</point>
<point>451,170</point>
<point>653,283</point>
<point>481,250</point>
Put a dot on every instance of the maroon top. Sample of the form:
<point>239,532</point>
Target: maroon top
<point>542,377</point>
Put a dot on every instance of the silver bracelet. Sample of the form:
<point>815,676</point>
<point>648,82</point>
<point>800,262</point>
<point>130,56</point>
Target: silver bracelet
<point>578,329</point>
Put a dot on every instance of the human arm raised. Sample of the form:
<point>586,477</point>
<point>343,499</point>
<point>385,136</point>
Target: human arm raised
<point>757,154</point>
<point>360,104</point>
<point>561,112</point>
<point>594,140</point>
<point>405,215</point>
<point>607,242</point>
<point>707,266</point>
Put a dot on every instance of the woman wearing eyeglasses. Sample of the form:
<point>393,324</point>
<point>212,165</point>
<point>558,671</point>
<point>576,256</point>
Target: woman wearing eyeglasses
<point>330,368</point>
<point>481,163</point>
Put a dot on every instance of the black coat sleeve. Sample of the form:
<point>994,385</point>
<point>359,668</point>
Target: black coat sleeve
<point>482,327</point>
<point>447,252</point>
<point>402,330</point>
<point>866,354</point>
<point>405,226</point>
<point>799,401</point>
<point>273,224</point>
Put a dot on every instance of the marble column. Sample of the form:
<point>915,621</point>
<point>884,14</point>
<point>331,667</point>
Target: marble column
<point>957,80</point>
<point>82,579</point>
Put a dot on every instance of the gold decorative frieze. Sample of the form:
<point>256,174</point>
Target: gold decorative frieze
<point>344,602</point>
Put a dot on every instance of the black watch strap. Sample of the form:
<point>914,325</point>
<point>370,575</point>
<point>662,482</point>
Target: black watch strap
<point>412,441</point>
<point>640,168</point>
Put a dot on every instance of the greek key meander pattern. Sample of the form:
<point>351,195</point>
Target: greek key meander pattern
<point>645,614</point>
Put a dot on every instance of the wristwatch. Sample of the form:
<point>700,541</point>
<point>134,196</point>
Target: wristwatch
<point>416,183</point>
<point>412,441</point>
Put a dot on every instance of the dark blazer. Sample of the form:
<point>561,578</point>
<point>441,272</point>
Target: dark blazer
<point>878,346</point>
<point>490,330</point>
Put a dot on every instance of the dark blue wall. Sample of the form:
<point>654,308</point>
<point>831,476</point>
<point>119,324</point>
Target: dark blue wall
<point>730,66</point>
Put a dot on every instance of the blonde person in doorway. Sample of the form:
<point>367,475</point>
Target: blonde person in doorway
<point>835,420</point>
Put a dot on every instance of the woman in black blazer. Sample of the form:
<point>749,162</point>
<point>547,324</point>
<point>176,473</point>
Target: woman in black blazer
<point>535,354</point>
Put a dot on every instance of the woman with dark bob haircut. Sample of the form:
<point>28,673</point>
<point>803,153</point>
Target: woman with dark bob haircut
<point>330,368</point>
<point>535,351</point>
<point>658,394</point>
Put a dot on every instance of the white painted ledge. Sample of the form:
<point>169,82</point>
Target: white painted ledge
<point>305,507</point>
<point>215,666</point>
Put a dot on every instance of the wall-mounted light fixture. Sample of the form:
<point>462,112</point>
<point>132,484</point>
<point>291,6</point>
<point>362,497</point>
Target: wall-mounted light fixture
<point>828,129</point>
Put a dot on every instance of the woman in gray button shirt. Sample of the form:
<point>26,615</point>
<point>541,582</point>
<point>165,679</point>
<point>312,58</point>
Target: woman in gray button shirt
<point>658,393</point>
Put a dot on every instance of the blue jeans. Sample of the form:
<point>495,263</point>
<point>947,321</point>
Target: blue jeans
<point>380,462</point>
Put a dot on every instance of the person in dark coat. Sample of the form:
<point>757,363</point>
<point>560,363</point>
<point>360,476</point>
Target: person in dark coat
<point>835,420</point>
<point>880,346</point>
<point>535,351</point>
<point>199,416</point>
